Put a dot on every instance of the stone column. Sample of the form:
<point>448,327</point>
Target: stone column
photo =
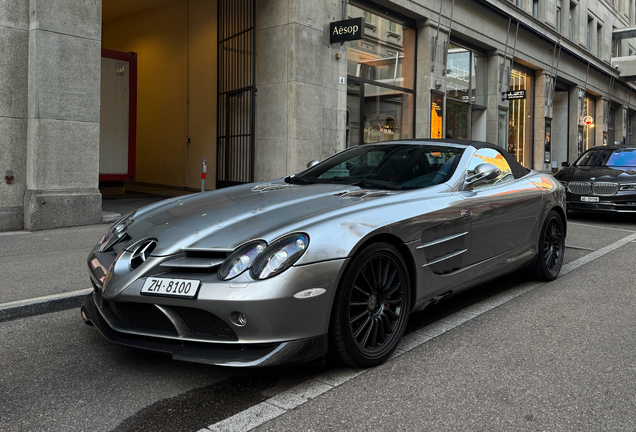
<point>541,111</point>
<point>429,76</point>
<point>63,114</point>
<point>601,123</point>
<point>14,62</point>
<point>495,100</point>
<point>301,103</point>
<point>621,123</point>
<point>577,94</point>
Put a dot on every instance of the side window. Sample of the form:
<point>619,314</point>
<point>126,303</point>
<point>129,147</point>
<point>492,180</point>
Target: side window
<point>493,157</point>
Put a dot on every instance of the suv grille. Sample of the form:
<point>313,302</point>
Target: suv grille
<point>605,188</point>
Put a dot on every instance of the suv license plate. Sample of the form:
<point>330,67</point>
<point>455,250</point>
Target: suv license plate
<point>589,199</point>
<point>183,288</point>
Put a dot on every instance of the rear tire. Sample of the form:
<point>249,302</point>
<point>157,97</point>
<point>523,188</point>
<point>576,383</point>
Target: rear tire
<point>551,249</point>
<point>371,307</point>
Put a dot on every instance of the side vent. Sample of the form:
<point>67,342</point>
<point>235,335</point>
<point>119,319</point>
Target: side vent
<point>445,247</point>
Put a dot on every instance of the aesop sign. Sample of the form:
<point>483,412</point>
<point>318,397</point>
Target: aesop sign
<point>342,31</point>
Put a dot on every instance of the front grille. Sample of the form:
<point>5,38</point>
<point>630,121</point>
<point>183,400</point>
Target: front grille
<point>605,188</point>
<point>143,316</point>
<point>205,323</point>
<point>580,188</point>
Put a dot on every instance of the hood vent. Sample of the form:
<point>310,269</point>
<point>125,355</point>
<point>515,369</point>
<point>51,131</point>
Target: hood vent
<point>363,194</point>
<point>197,260</point>
<point>270,187</point>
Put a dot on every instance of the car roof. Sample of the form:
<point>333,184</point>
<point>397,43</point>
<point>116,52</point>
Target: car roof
<point>612,147</point>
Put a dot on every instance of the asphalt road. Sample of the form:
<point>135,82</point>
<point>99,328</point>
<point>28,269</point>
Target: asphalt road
<point>560,356</point>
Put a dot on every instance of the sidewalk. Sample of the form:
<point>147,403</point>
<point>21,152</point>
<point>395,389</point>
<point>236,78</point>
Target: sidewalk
<point>45,271</point>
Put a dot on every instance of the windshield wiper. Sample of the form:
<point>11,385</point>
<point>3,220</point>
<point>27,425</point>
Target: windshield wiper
<point>293,179</point>
<point>366,182</point>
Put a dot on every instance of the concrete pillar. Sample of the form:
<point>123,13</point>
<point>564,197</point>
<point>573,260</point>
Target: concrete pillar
<point>576,95</point>
<point>621,123</point>
<point>14,65</point>
<point>495,102</point>
<point>429,76</point>
<point>63,114</point>
<point>541,111</point>
<point>601,124</point>
<point>301,103</point>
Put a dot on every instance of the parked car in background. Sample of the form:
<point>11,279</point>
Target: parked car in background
<point>603,179</point>
<point>335,257</point>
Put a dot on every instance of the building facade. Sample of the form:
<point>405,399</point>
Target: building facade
<point>111,91</point>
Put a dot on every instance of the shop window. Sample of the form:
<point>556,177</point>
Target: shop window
<point>465,89</point>
<point>380,79</point>
<point>437,115</point>
<point>519,126</point>
<point>588,130</point>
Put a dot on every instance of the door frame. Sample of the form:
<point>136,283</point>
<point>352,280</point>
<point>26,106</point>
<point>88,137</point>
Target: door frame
<point>131,58</point>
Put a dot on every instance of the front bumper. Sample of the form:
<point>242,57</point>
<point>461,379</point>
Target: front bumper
<point>621,202</point>
<point>238,355</point>
<point>280,328</point>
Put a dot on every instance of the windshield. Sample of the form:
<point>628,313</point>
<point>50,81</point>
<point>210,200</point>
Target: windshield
<point>387,166</point>
<point>608,157</point>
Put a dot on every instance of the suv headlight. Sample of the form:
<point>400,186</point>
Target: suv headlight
<point>280,255</point>
<point>116,232</point>
<point>241,259</point>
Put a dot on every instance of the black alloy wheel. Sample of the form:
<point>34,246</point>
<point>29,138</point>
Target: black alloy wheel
<point>551,248</point>
<point>371,307</point>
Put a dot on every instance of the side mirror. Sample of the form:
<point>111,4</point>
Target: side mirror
<point>312,163</point>
<point>565,164</point>
<point>483,171</point>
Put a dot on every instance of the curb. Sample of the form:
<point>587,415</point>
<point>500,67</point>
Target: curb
<point>42,305</point>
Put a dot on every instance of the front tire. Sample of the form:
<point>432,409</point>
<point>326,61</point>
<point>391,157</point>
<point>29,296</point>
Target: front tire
<point>371,307</point>
<point>551,248</point>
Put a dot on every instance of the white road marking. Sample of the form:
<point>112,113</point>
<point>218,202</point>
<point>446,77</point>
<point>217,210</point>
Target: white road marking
<point>598,226</point>
<point>291,399</point>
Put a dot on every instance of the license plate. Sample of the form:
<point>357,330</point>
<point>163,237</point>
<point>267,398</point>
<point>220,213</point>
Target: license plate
<point>589,199</point>
<point>184,288</point>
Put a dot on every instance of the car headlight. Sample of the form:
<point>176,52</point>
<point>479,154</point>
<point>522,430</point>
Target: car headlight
<point>241,259</point>
<point>280,255</point>
<point>115,232</point>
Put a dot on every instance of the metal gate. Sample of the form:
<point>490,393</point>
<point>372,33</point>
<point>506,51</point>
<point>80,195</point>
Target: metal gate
<point>236,75</point>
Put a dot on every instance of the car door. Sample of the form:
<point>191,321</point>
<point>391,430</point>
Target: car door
<point>502,210</point>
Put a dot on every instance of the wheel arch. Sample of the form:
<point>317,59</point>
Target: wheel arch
<point>562,213</point>
<point>404,252</point>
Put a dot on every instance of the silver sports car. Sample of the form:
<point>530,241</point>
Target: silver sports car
<point>335,257</point>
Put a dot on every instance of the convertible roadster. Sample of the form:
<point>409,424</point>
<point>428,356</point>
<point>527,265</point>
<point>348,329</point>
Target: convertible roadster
<point>332,258</point>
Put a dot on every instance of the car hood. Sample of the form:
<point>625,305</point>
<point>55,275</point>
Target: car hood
<point>599,173</point>
<point>226,218</point>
